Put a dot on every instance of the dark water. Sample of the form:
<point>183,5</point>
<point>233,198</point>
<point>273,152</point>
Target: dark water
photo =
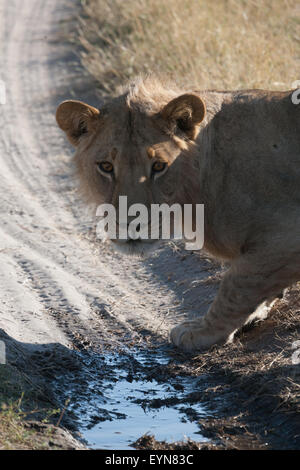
<point>119,397</point>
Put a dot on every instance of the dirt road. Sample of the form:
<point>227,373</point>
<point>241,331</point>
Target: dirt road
<point>58,285</point>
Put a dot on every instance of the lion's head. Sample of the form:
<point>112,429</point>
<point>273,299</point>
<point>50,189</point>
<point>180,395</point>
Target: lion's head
<point>140,145</point>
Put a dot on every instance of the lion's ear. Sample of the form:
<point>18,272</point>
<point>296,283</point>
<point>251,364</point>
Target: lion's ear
<point>76,119</point>
<point>187,111</point>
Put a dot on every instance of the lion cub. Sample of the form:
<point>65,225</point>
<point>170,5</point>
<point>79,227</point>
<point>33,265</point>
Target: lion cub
<point>238,153</point>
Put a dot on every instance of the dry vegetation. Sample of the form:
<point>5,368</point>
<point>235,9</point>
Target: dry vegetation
<point>223,44</point>
<point>24,424</point>
<point>261,382</point>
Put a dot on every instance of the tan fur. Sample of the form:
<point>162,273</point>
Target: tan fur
<point>238,153</point>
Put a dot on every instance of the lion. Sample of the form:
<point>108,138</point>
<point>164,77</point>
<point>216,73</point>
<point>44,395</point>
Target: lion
<point>236,152</point>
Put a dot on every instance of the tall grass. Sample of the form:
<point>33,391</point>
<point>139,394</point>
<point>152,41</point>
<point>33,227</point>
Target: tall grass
<point>224,44</point>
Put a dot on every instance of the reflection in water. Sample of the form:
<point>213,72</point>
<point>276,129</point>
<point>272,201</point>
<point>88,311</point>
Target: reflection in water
<point>120,404</point>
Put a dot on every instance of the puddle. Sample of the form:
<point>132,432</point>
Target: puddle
<point>120,400</point>
<point>138,418</point>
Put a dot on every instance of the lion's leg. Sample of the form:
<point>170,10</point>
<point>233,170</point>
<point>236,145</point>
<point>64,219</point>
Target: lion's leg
<point>251,281</point>
<point>263,309</point>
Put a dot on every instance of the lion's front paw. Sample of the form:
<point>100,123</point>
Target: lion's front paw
<point>193,335</point>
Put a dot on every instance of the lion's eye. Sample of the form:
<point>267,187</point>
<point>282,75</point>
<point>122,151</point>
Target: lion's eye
<point>157,167</point>
<point>106,167</point>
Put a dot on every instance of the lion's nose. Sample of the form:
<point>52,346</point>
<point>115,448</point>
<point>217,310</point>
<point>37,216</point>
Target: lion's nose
<point>131,231</point>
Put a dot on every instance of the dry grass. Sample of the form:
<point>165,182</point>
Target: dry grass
<point>223,44</point>
<point>15,430</point>
<point>260,380</point>
<point>27,421</point>
<point>17,433</point>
